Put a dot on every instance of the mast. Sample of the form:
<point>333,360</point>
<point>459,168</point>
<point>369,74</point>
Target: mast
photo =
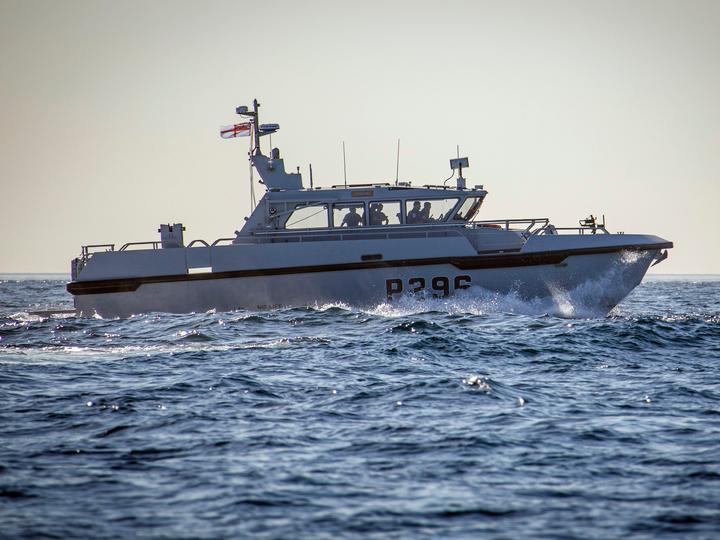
<point>256,126</point>
<point>243,111</point>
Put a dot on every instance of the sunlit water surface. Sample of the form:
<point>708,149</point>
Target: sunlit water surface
<point>475,417</point>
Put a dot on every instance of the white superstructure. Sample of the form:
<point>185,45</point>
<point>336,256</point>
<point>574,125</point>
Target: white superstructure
<point>362,245</point>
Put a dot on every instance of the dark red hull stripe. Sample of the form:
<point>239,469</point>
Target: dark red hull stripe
<point>508,260</point>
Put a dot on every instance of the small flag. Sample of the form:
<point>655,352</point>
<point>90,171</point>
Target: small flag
<point>236,130</point>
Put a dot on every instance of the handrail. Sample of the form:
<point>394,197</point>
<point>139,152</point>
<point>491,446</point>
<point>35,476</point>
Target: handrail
<point>510,221</point>
<point>203,242</point>
<point>85,255</point>
<point>355,233</point>
<point>506,223</point>
<point>405,227</point>
<point>216,242</point>
<point>154,245</point>
<point>349,186</point>
<point>544,227</point>
<point>86,249</point>
<point>578,230</point>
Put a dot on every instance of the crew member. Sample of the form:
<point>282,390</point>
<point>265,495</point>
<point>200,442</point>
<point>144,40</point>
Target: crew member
<point>352,218</point>
<point>377,216</point>
<point>415,215</point>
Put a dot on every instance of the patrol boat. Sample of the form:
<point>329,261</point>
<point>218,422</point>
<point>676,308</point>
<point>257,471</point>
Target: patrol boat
<point>362,246</point>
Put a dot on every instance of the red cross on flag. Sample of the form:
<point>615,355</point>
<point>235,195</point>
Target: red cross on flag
<point>236,130</point>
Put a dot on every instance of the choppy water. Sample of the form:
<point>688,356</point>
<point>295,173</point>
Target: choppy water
<point>470,419</point>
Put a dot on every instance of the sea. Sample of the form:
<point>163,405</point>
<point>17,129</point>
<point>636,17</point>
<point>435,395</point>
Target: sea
<point>479,416</point>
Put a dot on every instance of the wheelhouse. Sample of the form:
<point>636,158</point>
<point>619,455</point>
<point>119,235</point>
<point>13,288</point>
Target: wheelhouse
<point>384,206</point>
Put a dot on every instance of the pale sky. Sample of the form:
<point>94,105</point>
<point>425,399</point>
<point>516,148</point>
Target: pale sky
<point>110,112</point>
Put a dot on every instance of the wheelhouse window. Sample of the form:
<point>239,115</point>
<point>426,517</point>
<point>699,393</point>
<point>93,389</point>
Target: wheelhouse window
<point>419,211</point>
<point>348,215</point>
<point>469,209</point>
<point>308,216</point>
<point>384,213</point>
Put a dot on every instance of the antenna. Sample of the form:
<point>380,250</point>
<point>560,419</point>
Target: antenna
<point>344,166</point>
<point>397,169</point>
<point>459,163</point>
<point>311,186</point>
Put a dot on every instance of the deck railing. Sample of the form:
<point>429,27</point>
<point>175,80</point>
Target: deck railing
<point>551,229</point>
<point>94,248</point>
<point>154,244</point>
<point>538,226</point>
<point>526,227</point>
<point>79,263</point>
<point>523,227</point>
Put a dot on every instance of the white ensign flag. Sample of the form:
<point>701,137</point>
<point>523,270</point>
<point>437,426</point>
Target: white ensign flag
<point>236,130</point>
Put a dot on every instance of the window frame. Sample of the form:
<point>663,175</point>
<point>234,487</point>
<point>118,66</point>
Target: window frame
<point>347,206</point>
<point>305,206</point>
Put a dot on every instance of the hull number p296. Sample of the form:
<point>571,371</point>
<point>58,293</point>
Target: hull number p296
<point>440,285</point>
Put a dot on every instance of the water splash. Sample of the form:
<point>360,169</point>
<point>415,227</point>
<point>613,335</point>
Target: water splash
<point>591,299</point>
